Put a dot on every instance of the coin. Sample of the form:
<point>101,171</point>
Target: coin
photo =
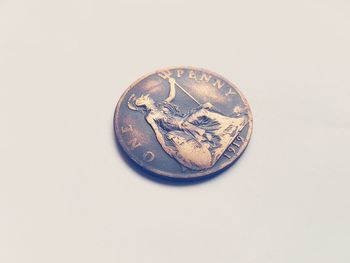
<point>183,122</point>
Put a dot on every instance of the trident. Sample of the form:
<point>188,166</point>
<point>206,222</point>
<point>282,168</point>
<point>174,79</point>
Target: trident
<point>173,82</point>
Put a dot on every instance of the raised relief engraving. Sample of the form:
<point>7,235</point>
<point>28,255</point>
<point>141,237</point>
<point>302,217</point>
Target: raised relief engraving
<point>218,84</point>
<point>134,143</point>
<point>231,149</point>
<point>196,139</point>
<point>165,74</point>
<point>192,74</point>
<point>205,77</point>
<point>127,128</point>
<point>148,156</point>
<point>179,73</point>
<point>230,92</point>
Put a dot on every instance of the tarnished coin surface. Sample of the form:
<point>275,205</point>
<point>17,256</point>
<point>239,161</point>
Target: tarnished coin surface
<point>183,122</point>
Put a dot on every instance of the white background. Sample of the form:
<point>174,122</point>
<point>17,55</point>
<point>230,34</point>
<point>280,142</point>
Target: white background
<point>66,193</point>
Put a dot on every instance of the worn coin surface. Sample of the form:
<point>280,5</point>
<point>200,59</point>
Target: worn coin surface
<point>183,122</point>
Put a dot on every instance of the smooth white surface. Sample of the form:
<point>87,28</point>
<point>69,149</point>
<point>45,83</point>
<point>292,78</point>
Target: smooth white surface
<point>66,195</point>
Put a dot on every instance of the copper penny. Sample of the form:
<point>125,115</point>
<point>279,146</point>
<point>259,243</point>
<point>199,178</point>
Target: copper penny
<point>183,122</point>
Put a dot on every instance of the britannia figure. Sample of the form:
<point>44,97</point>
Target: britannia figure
<point>196,139</point>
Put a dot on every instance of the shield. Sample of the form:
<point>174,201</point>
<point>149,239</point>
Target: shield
<point>204,137</point>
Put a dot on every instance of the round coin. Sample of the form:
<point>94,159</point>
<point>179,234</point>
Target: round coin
<point>183,122</point>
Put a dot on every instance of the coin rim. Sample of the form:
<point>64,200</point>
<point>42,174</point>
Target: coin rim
<point>199,174</point>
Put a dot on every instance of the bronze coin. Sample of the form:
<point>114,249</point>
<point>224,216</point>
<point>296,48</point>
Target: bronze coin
<point>183,122</point>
